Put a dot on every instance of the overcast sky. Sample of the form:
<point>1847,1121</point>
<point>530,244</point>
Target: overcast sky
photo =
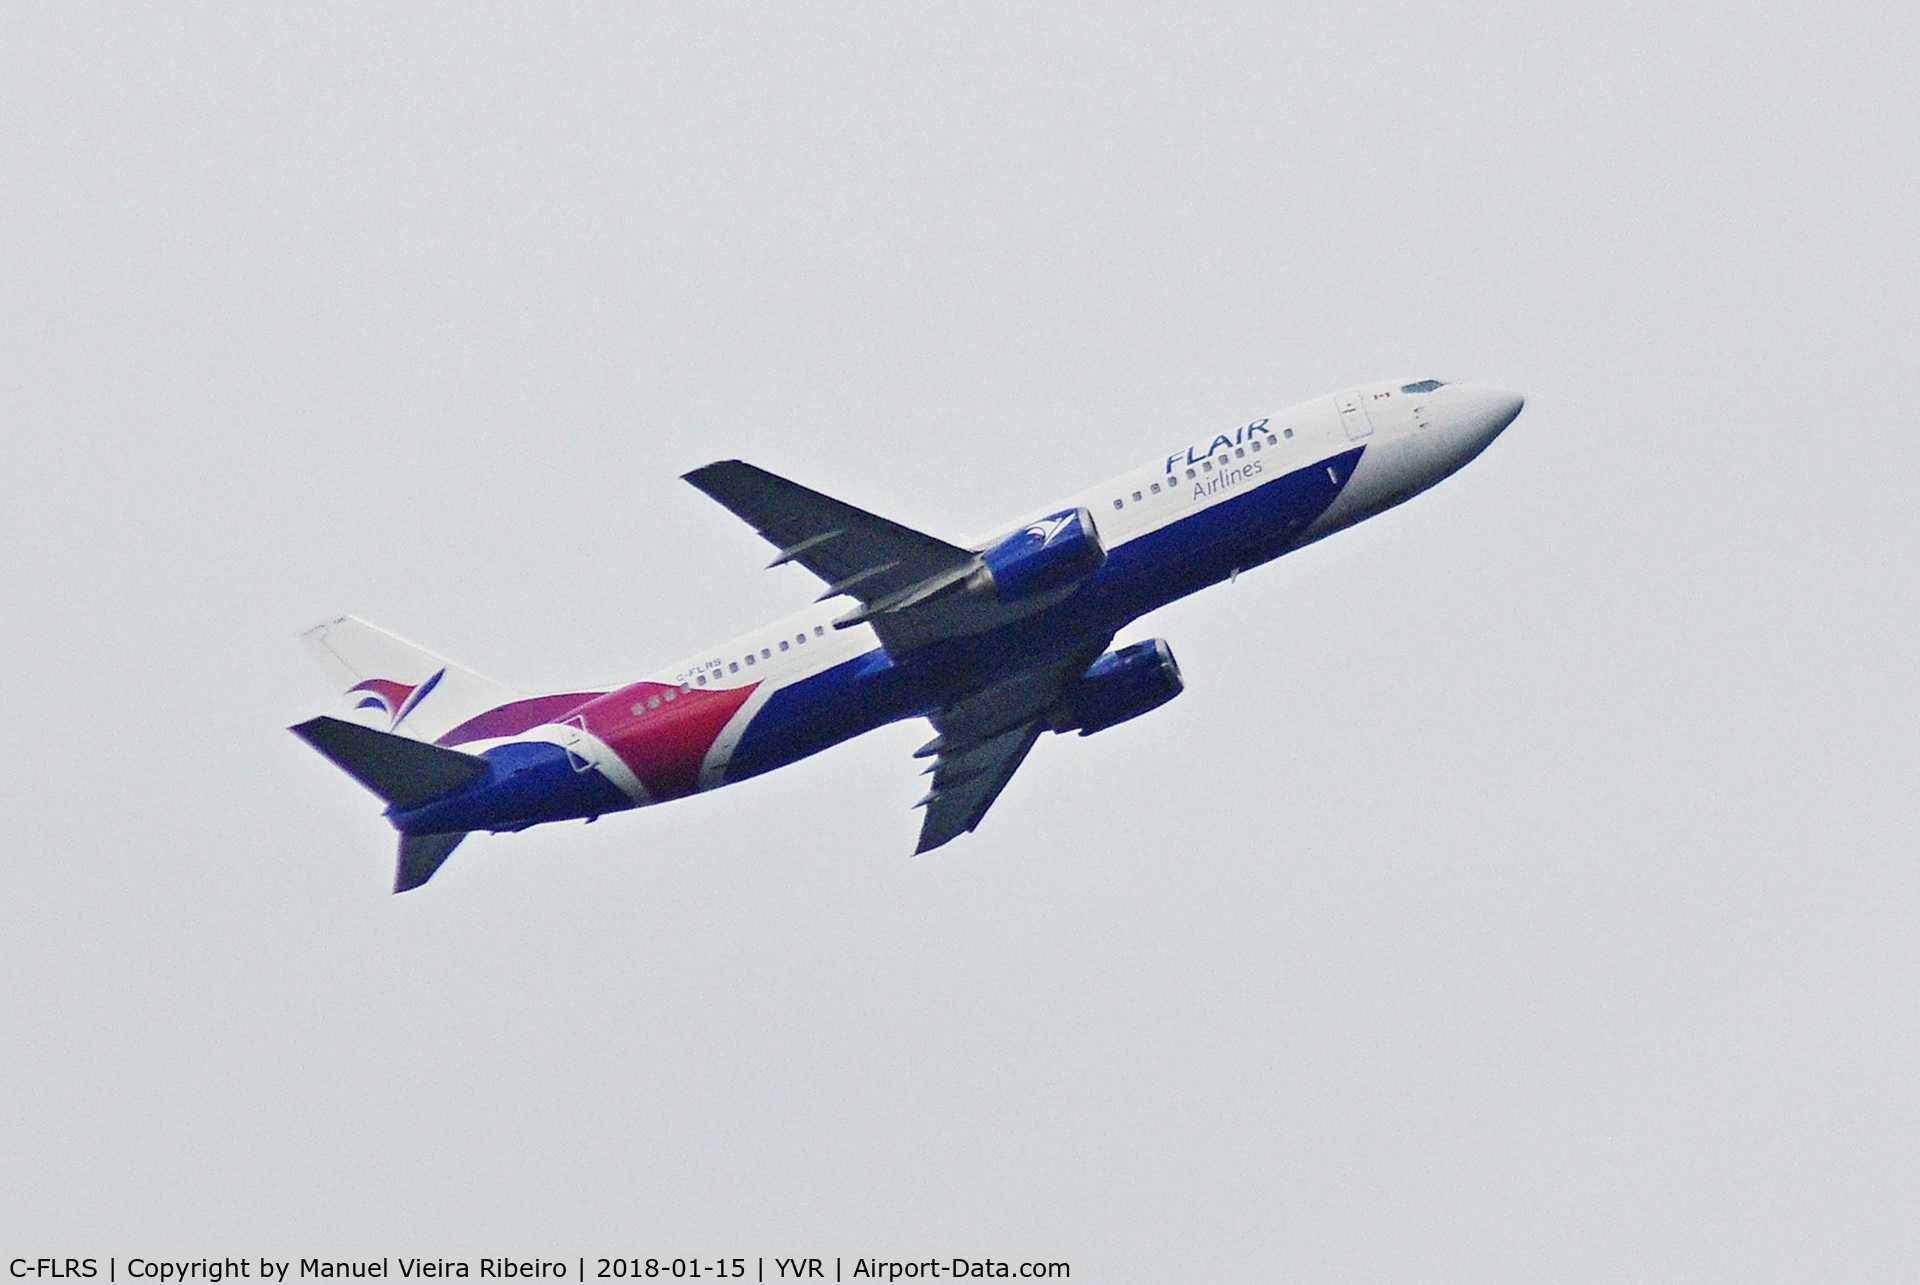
<point>1524,888</point>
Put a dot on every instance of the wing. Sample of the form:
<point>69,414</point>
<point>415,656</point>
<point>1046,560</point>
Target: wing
<point>913,588</point>
<point>983,740</point>
<point>885,565</point>
<point>967,781</point>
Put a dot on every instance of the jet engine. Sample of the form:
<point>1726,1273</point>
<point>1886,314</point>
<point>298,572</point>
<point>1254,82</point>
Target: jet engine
<point>1052,553</point>
<point>1120,685</point>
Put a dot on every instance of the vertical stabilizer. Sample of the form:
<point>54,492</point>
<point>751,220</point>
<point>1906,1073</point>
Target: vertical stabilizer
<point>385,677</point>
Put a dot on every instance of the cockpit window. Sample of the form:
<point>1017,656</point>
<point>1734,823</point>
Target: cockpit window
<point>1424,386</point>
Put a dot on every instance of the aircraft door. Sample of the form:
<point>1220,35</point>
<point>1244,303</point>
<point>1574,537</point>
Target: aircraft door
<point>574,742</point>
<point>1353,415</point>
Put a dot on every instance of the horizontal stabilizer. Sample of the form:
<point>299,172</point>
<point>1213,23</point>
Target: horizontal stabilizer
<point>404,772</point>
<point>420,856</point>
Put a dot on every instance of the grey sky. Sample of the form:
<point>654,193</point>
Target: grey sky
<point>1524,887</point>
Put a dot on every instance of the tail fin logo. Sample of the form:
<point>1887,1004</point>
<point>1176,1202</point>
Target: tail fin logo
<point>396,700</point>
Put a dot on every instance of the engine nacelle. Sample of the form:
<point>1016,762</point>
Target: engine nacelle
<point>1120,685</point>
<point>1052,553</point>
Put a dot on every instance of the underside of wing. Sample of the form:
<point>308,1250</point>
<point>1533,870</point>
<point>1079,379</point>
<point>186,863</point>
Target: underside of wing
<point>881,563</point>
<point>983,740</point>
<point>913,588</point>
<point>968,780</point>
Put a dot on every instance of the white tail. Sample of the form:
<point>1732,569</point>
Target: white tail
<point>417,693</point>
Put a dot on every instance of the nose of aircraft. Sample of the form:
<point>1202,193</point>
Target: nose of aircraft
<point>1476,414</point>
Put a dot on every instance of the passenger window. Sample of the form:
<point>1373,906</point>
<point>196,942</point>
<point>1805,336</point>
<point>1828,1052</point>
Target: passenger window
<point>702,680</point>
<point>799,638</point>
<point>670,693</point>
<point>749,660</point>
<point>784,646</point>
<point>1287,431</point>
<point>653,702</point>
<point>1255,443</point>
<point>1156,488</point>
<point>1189,475</point>
<point>1206,466</point>
<point>1118,504</point>
<point>1137,497</point>
<point>1239,452</point>
<point>766,653</point>
<point>819,630</point>
<point>733,667</point>
<point>639,708</point>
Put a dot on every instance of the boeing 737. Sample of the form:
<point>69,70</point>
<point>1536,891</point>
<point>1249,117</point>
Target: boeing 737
<point>993,640</point>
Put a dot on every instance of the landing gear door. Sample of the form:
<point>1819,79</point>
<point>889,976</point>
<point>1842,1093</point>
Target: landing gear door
<point>1353,414</point>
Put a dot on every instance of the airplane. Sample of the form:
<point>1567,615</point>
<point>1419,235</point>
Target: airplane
<point>992,640</point>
